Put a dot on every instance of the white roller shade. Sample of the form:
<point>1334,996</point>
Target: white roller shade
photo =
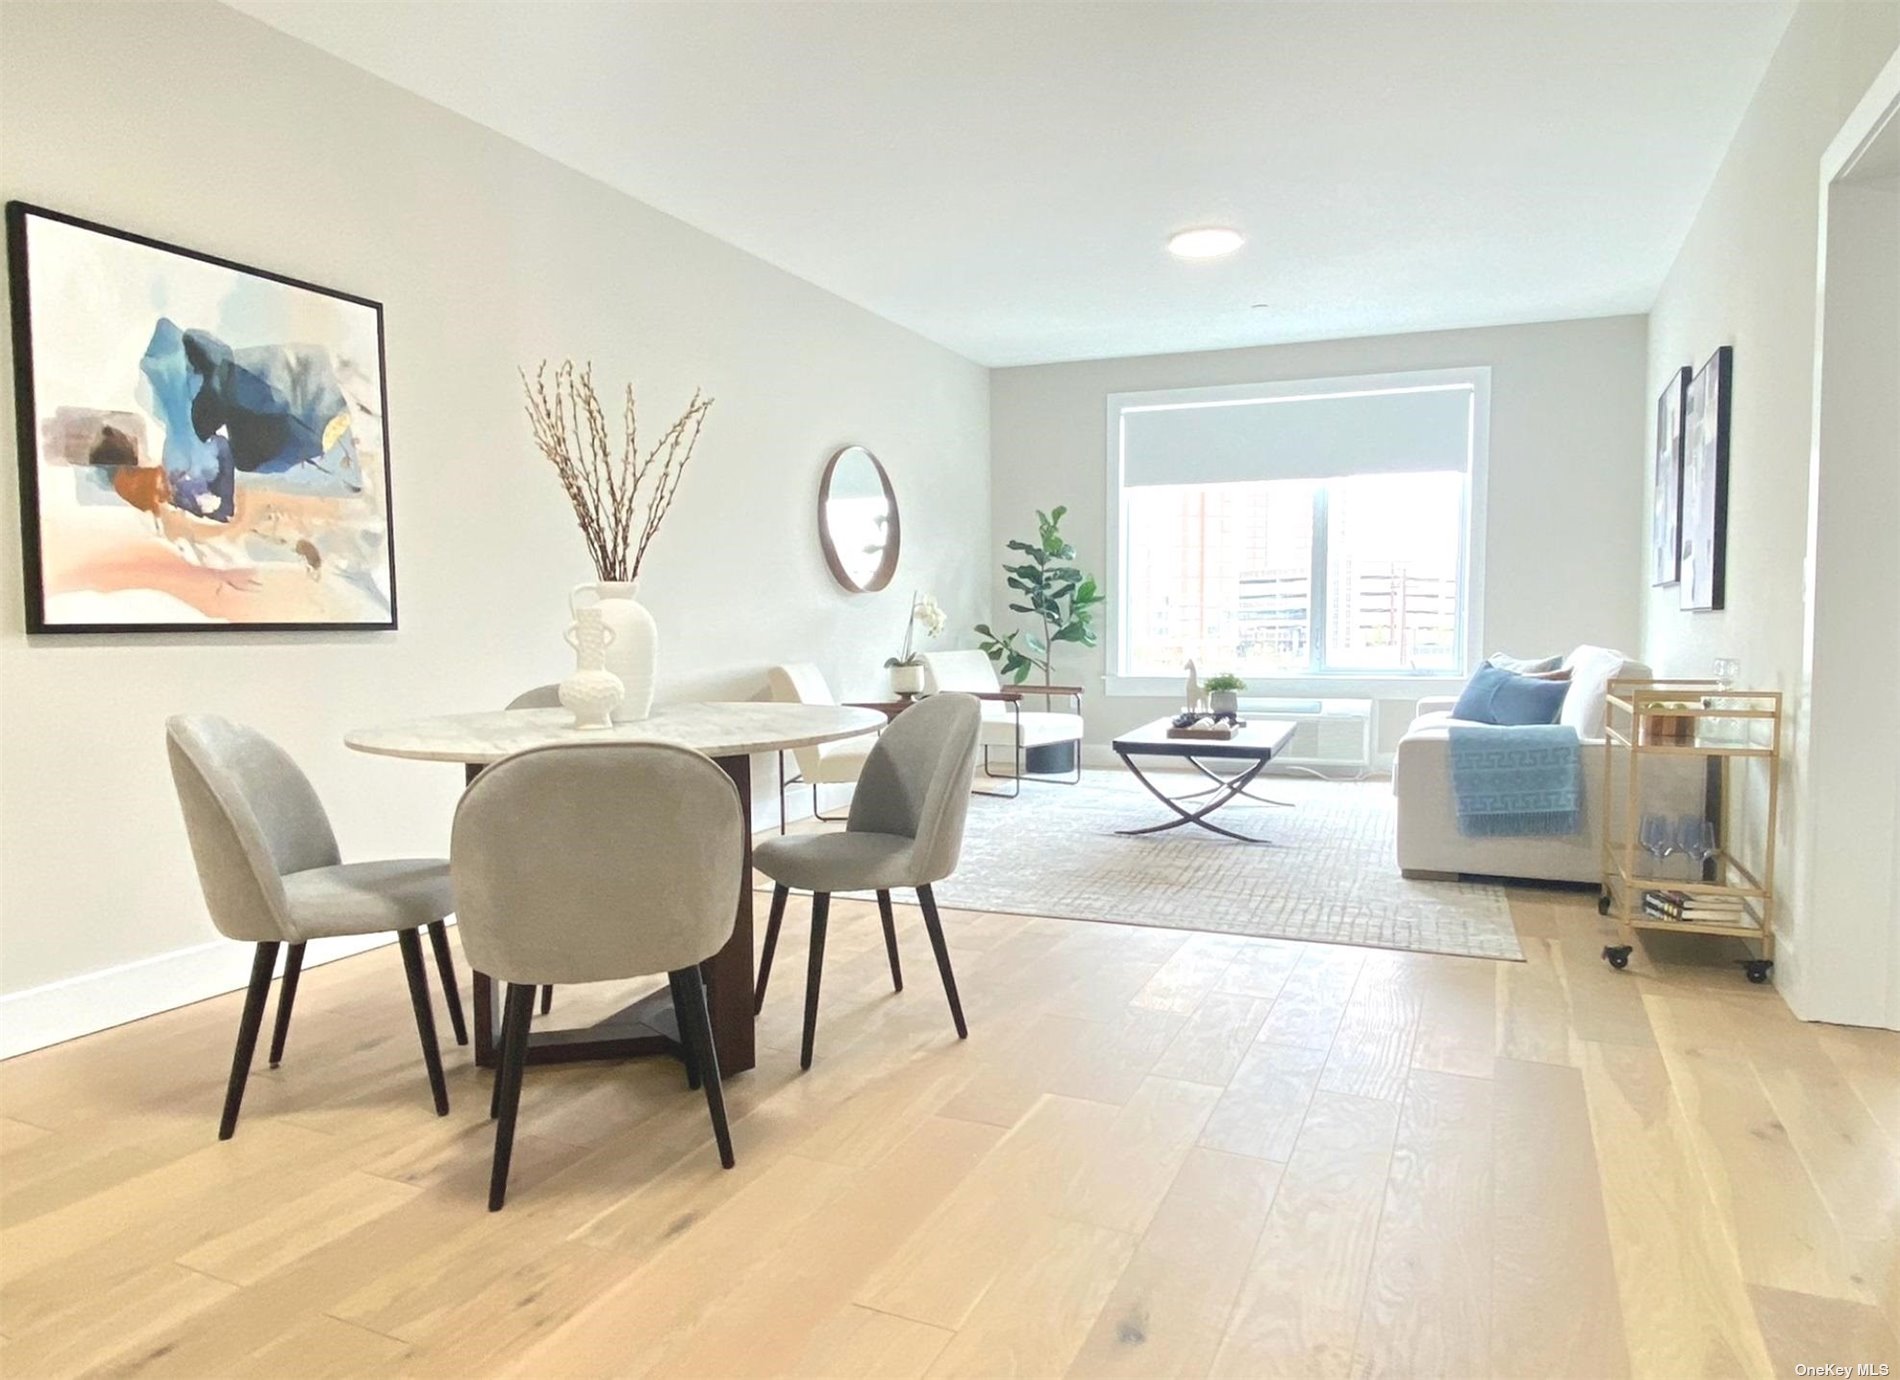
<point>1298,438</point>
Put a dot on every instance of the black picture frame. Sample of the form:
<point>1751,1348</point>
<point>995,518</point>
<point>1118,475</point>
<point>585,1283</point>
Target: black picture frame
<point>1665,535</point>
<point>1705,462</point>
<point>19,215</point>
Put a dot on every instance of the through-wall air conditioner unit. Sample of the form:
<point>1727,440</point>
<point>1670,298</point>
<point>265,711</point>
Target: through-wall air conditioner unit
<point>1330,737</point>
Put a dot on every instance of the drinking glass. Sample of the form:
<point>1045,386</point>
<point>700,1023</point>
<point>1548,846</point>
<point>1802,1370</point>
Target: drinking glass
<point>1695,835</point>
<point>1657,835</point>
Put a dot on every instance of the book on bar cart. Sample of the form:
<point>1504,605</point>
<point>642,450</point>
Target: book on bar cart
<point>1691,906</point>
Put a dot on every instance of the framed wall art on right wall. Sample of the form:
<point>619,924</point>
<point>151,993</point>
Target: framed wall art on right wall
<point>1665,532</point>
<point>1705,483</point>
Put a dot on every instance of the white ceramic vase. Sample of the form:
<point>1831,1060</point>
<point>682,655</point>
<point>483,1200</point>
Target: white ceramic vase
<point>592,692</point>
<point>907,679</point>
<point>633,652</point>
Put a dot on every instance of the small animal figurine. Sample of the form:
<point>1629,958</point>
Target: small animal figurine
<point>1194,696</point>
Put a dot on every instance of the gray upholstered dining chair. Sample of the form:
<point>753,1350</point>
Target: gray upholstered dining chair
<point>595,863</point>
<point>905,830</point>
<point>540,697</point>
<point>272,875</point>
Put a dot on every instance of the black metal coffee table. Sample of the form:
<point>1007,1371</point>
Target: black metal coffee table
<point>1255,744</point>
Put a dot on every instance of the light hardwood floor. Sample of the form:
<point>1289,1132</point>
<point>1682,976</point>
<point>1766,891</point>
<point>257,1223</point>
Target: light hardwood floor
<point>1159,1153</point>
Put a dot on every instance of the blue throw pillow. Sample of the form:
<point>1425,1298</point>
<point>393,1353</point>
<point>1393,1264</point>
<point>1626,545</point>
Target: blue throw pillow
<point>1528,700</point>
<point>1474,705</point>
<point>1496,696</point>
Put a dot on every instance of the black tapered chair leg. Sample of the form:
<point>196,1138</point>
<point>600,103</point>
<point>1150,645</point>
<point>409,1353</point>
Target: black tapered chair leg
<point>814,969</point>
<point>499,1034</point>
<point>451,990</point>
<point>410,942</point>
<point>935,926</point>
<point>501,1047</point>
<point>696,1028</point>
<point>779,895</point>
<point>263,964</point>
<point>890,939</point>
<point>517,1014</point>
<point>682,1017</point>
<point>547,999</point>
<point>286,998</point>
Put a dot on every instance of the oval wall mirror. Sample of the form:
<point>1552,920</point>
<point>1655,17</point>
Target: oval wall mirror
<point>857,521</point>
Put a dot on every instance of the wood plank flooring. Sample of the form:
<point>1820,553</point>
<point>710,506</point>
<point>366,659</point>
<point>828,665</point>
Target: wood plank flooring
<point>1159,1154</point>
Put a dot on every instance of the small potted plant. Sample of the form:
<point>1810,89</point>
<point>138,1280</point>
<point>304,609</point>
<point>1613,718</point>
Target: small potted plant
<point>907,667</point>
<point>1223,693</point>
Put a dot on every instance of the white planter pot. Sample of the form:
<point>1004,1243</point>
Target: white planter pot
<point>633,651</point>
<point>907,680</point>
<point>1224,701</point>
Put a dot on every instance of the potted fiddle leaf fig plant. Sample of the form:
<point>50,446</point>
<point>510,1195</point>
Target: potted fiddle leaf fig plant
<point>1063,600</point>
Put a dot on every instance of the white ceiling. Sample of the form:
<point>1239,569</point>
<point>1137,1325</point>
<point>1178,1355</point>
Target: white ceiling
<point>1001,177</point>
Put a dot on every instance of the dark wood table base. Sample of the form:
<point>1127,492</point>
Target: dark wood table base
<point>648,1026</point>
<point>645,1027</point>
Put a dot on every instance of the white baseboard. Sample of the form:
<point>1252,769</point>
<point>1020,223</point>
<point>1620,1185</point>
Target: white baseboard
<point>90,1002</point>
<point>1811,1000</point>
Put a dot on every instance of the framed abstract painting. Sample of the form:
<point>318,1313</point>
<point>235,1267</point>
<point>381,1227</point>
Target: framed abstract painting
<point>1705,483</point>
<point>203,446</point>
<point>1665,531</point>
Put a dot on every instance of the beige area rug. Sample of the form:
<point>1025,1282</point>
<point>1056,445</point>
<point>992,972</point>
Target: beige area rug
<point>1329,875</point>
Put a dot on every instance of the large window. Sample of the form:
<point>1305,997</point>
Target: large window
<point>1298,531</point>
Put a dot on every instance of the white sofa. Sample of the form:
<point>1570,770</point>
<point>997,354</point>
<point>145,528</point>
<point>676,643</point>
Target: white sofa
<point>1429,844</point>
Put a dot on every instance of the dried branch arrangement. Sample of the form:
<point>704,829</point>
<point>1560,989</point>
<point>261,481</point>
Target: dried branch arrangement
<point>604,485</point>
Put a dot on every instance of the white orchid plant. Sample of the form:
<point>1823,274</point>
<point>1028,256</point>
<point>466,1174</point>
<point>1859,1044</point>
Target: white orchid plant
<point>927,614</point>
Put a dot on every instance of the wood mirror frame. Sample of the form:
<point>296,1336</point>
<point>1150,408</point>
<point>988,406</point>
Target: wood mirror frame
<point>887,563</point>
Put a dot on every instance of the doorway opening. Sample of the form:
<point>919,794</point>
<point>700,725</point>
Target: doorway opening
<point>1847,755</point>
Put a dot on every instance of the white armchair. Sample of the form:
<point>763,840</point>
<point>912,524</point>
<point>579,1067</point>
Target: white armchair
<point>1429,843</point>
<point>826,764</point>
<point>1007,726</point>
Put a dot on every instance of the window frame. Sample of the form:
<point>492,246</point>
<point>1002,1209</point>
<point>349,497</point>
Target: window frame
<point>1321,679</point>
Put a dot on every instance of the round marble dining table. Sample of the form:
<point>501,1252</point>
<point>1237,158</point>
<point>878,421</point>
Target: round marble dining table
<point>729,733</point>
<point>719,729</point>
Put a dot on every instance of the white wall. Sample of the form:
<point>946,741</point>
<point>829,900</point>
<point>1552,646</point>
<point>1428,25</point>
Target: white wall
<point>196,125</point>
<point>1842,899</point>
<point>1746,277</point>
<point>1564,521</point>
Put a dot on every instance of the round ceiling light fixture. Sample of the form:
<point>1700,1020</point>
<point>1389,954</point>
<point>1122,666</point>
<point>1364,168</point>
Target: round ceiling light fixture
<point>1205,242</point>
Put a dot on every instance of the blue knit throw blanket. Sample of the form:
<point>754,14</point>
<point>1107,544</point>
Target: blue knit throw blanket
<point>1517,781</point>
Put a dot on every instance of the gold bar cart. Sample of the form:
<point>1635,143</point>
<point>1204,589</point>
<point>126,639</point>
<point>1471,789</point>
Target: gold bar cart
<point>1731,731</point>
